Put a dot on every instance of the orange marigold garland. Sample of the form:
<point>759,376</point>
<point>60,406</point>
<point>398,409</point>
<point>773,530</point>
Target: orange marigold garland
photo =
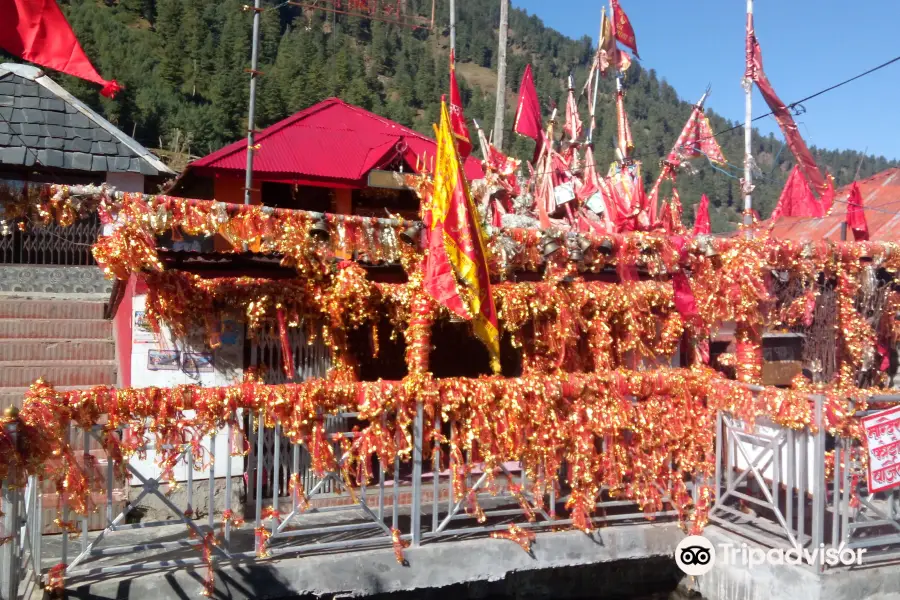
<point>515,533</point>
<point>399,544</point>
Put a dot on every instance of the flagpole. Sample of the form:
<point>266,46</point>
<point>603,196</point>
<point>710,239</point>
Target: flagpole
<point>453,25</point>
<point>748,137</point>
<point>622,144</point>
<point>590,137</point>
<point>251,112</point>
<point>500,108</point>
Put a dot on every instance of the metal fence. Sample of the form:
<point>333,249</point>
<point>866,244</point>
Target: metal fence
<point>402,504</point>
<point>774,486</point>
<point>775,489</point>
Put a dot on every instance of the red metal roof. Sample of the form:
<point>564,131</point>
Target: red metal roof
<point>330,142</point>
<point>881,202</point>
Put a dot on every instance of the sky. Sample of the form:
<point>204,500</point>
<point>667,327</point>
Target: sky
<point>807,45</point>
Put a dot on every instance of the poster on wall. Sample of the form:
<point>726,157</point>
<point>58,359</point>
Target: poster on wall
<point>163,360</point>
<point>141,332</point>
<point>197,362</point>
<point>883,439</point>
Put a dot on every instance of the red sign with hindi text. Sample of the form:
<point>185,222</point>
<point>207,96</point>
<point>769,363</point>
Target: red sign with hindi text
<point>883,440</point>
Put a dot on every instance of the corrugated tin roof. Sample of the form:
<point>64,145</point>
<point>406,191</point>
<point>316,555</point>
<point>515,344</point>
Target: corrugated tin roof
<point>881,203</point>
<point>41,123</point>
<point>331,140</point>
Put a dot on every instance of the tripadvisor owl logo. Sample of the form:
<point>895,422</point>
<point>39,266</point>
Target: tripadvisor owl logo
<point>695,555</point>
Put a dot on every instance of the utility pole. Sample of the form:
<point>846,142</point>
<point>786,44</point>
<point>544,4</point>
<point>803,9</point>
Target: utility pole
<point>251,116</point>
<point>501,75</point>
<point>453,25</point>
<point>748,134</point>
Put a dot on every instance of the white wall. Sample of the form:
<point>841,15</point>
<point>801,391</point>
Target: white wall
<point>227,368</point>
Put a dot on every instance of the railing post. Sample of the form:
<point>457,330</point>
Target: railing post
<point>9,558</point>
<point>418,435</point>
<point>819,500</point>
<point>719,447</point>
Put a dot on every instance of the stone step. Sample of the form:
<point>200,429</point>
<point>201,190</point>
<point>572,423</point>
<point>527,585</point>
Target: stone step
<point>60,329</point>
<point>26,308</point>
<point>63,372</point>
<point>53,350</point>
<point>10,396</point>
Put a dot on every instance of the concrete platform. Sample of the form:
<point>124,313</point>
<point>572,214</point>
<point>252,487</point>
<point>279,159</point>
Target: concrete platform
<point>787,582</point>
<point>432,566</point>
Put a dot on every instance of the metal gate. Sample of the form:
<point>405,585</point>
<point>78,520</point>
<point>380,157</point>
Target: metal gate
<point>310,361</point>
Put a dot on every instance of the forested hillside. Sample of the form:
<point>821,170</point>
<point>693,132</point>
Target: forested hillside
<point>183,64</point>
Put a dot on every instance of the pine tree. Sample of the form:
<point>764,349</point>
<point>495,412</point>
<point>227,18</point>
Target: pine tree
<point>169,26</point>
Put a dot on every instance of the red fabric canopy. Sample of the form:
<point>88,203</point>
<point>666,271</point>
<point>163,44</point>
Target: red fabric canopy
<point>331,143</point>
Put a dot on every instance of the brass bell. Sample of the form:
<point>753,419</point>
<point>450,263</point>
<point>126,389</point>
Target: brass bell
<point>410,235</point>
<point>549,245</point>
<point>319,231</point>
<point>606,247</point>
<point>550,248</point>
<point>576,254</point>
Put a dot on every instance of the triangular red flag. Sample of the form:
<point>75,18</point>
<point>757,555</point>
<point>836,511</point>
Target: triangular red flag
<point>528,120</point>
<point>622,28</point>
<point>457,118</point>
<point>37,31</point>
<point>573,126</point>
<point>701,220</point>
<point>856,216</point>
<point>797,199</point>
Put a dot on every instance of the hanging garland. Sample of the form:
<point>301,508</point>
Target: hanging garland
<point>656,427</point>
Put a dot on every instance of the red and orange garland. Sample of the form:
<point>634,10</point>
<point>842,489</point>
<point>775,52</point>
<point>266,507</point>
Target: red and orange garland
<point>654,427</point>
<point>582,400</point>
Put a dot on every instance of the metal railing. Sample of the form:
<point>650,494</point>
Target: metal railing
<point>51,244</point>
<point>774,488</point>
<point>407,502</point>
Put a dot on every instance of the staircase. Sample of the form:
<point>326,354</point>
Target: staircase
<point>70,345</point>
<point>67,342</point>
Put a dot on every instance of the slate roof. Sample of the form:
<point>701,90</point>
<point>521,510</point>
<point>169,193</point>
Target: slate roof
<point>41,124</point>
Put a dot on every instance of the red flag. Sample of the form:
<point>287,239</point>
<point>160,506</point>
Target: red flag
<point>623,129</point>
<point>856,216</point>
<point>457,118</point>
<point>782,113</point>
<point>624,32</point>
<point>696,138</point>
<point>37,31</point>
<point>665,218</point>
<point>573,126</point>
<point>454,219</point>
<point>528,112</point>
<point>797,199</point>
<point>701,219</point>
<point>685,302</point>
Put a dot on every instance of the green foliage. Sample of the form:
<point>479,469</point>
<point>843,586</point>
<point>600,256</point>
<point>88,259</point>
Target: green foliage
<point>183,64</point>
